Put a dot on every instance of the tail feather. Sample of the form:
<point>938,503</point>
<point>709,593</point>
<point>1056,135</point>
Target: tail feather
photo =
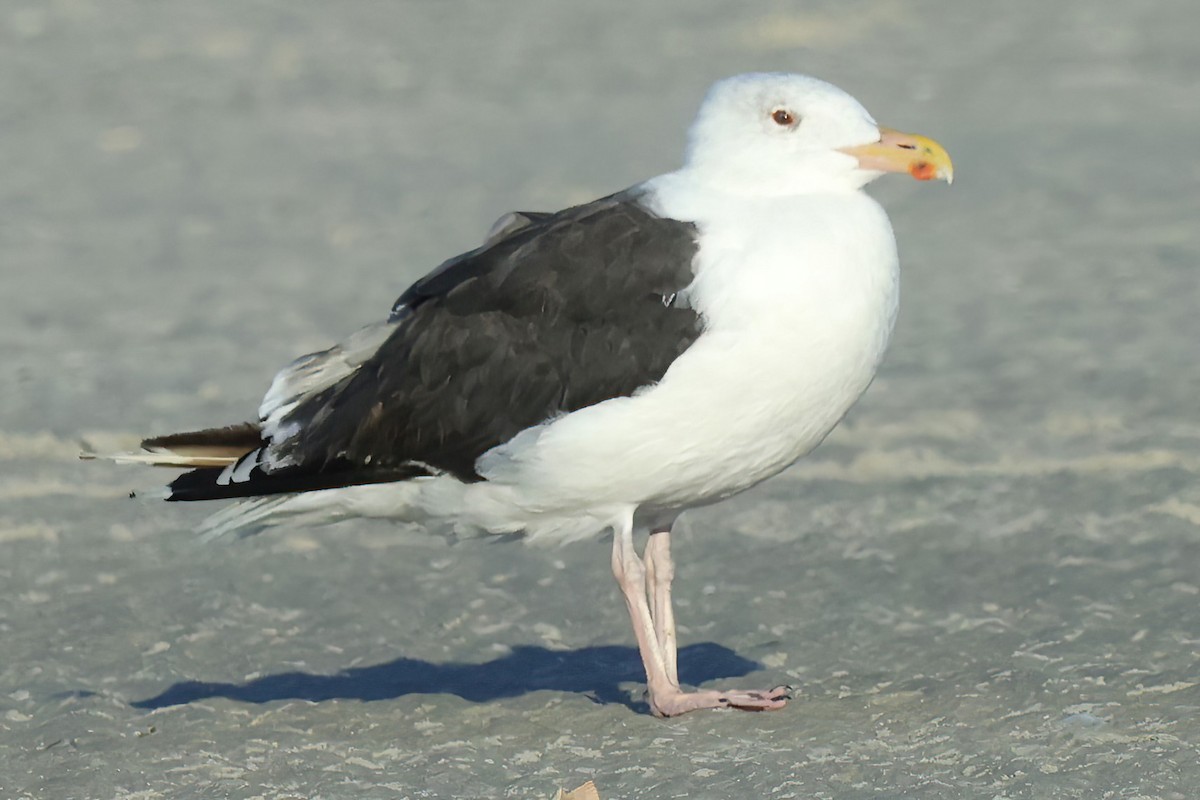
<point>231,441</point>
<point>396,502</point>
<point>245,519</point>
<point>233,462</point>
<point>212,447</point>
<point>158,458</point>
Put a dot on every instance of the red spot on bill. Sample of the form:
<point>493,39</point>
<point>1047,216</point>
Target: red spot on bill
<point>923,171</point>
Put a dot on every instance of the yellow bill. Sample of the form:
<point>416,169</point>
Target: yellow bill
<point>919,156</point>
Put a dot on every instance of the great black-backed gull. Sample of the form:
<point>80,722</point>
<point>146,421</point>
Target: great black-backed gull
<point>605,367</point>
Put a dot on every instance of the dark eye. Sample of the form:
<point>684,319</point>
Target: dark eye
<point>783,117</point>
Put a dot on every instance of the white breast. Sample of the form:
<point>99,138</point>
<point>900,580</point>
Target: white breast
<point>799,297</point>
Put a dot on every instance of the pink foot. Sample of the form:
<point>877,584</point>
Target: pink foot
<point>674,703</point>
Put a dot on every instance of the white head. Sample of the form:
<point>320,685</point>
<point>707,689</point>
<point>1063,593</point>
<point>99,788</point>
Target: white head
<point>781,134</point>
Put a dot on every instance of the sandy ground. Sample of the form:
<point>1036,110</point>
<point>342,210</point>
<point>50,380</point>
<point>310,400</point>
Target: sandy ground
<point>984,585</point>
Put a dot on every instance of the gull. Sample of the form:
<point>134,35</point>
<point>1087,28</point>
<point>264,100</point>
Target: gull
<point>605,367</point>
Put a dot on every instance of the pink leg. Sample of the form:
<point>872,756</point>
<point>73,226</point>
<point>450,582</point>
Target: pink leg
<point>630,573</point>
<point>660,572</point>
<point>655,632</point>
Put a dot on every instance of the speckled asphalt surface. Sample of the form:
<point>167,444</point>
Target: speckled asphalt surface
<point>984,585</point>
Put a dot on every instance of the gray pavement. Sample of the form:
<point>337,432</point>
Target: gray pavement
<point>984,585</point>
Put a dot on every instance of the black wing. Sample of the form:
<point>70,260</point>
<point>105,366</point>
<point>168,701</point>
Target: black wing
<point>554,313</point>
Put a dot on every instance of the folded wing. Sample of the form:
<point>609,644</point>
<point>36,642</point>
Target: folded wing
<point>555,312</point>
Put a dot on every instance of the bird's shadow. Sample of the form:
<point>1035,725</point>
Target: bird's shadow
<point>592,671</point>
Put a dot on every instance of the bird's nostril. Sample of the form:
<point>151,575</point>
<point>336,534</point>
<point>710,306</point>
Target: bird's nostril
<point>908,147</point>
